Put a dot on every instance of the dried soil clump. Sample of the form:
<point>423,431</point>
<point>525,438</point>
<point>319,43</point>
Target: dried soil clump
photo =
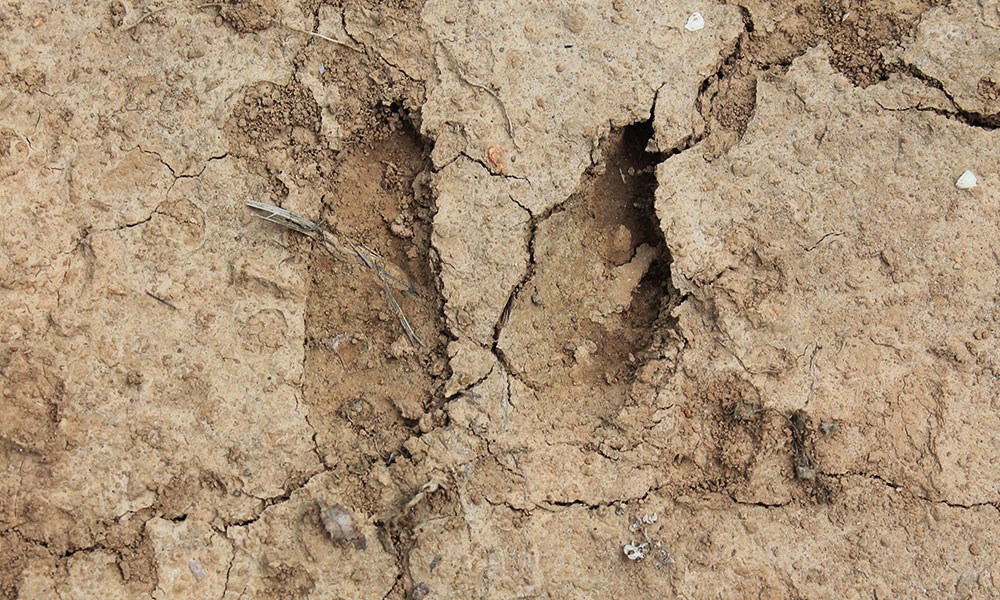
<point>248,16</point>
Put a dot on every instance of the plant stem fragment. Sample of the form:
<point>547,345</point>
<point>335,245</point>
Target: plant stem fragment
<point>339,244</point>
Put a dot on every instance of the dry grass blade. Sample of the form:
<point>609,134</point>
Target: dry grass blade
<point>285,218</point>
<point>375,261</point>
<point>403,321</point>
<point>326,38</point>
<point>338,243</point>
<point>145,16</point>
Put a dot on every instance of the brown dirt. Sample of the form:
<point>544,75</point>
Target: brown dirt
<point>711,297</point>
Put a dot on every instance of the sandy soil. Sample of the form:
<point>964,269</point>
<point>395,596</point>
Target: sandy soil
<point>705,312</point>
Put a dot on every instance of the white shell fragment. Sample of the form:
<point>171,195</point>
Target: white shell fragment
<point>967,181</point>
<point>695,22</point>
<point>197,569</point>
<point>634,552</point>
<point>339,524</point>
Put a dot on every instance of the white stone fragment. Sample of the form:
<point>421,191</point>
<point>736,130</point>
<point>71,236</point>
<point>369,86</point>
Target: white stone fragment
<point>695,22</point>
<point>967,181</point>
<point>650,519</point>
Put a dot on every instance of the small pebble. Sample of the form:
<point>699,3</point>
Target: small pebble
<point>419,591</point>
<point>695,22</point>
<point>967,181</point>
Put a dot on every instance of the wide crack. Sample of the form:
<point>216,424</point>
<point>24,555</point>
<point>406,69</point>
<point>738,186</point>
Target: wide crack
<point>988,122</point>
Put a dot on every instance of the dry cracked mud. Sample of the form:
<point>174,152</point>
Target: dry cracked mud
<point>704,311</point>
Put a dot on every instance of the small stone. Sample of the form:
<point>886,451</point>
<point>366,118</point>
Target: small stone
<point>583,353</point>
<point>695,22</point>
<point>495,156</point>
<point>134,378</point>
<point>400,228</point>
<point>401,348</point>
<point>419,591</point>
<point>805,472</point>
<point>967,181</point>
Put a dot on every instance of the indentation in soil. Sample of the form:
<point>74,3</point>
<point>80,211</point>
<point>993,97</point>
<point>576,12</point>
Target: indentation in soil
<point>368,388</point>
<point>599,275</point>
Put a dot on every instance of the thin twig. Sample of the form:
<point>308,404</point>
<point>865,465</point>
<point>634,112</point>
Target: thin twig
<point>162,300</point>
<point>338,243</point>
<point>323,37</point>
<point>165,7</point>
<point>146,16</point>
<point>396,308</point>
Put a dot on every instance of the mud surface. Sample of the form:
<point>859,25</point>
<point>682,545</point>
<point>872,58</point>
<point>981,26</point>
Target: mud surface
<point>703,311</point>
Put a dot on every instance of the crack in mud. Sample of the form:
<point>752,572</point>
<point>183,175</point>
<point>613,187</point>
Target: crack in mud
<point>173,171</point>
<point>529,272</point>
<point>229,569</point>
<point>764,505</point>
<point>895,487</point>
<point>491,170</point>
<point>395,584</point>
<point>272,501</point>
<point>971,118</point>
